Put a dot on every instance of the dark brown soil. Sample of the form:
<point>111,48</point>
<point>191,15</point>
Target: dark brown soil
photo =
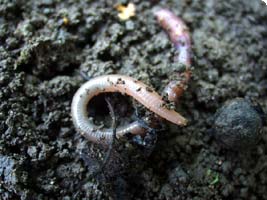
<point>45,44</point>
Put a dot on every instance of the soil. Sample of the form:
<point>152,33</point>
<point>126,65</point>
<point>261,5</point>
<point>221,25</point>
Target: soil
<point>45,45</point>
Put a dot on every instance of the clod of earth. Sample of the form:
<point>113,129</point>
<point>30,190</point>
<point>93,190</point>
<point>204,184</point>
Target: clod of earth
<point>238,124</point>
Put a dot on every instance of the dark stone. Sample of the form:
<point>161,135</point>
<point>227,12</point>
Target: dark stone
<point>238,124</point>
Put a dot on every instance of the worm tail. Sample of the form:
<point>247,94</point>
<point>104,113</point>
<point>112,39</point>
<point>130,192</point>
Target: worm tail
<point>179,35</point>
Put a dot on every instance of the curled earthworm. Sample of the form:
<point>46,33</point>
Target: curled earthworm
<point>179,35</point>
<point>125,85</point>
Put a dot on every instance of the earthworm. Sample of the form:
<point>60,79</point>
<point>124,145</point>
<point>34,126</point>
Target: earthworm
<point>179,35</point>
<point>125,85</point>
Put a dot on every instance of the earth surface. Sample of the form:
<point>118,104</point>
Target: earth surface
<point>45,45</point>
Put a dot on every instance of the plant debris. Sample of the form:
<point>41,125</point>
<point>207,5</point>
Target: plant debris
<point>126,12</point>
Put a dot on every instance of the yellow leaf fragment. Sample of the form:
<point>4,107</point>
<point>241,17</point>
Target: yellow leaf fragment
<point>65,21</point>
<point>126,12</point>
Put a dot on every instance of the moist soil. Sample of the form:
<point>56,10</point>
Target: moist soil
<point>46,45</point>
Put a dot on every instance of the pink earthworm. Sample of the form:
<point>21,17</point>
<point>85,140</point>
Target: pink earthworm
<point>139,91</point>
<point>179,35</point>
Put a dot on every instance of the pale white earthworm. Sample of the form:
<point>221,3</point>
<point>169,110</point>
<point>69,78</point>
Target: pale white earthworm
<point>179,35</point>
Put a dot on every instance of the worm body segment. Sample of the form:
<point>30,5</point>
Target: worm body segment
<point>179,35</point>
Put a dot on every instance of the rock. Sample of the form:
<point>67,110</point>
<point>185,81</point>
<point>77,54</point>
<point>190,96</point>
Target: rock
<point>238,124</point>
